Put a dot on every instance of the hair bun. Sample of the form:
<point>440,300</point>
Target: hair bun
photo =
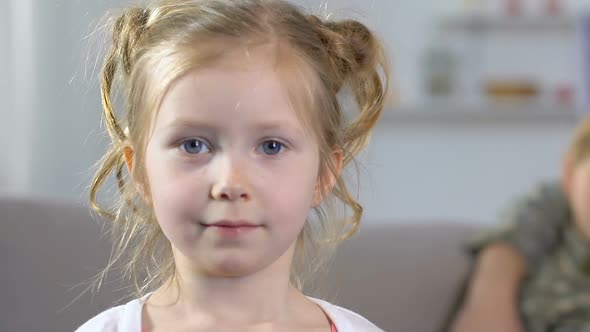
<point>350,44</point>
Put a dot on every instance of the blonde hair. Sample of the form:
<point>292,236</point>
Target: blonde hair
<point>579,149</point>
<point>155,45</point>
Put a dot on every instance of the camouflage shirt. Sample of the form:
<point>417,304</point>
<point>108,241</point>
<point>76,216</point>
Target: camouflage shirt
<point>555,296</point>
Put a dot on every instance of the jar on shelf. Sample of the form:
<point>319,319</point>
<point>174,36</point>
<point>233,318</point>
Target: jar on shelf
<point>440,76</point>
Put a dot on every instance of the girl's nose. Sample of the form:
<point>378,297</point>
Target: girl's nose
<point>230,181</point>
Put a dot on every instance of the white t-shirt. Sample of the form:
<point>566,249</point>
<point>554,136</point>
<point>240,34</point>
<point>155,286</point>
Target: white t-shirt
<point>127,318</point>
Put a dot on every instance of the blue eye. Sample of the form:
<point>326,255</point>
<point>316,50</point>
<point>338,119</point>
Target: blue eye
<point>194,146</point>
<point>272,147</point>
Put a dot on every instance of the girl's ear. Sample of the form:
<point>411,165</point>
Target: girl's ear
<point>328,178</point>
<point>129,154</point>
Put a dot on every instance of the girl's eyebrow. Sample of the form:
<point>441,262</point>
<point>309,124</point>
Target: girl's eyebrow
<point>278,126</point>
<point>262,127</point>
<point>180,124</point>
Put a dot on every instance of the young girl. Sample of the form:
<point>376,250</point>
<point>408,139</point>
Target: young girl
<point>232,134</point>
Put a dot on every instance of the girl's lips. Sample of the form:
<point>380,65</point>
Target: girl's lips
<point>230,224</point>
<point>231,229</point>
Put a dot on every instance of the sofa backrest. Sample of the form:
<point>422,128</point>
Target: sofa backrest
<point>403,277</point>
<point>47,248</point>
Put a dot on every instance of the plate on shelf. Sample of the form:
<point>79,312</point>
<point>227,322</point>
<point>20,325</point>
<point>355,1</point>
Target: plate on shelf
<point>486,23</point>
<point>506,113</point>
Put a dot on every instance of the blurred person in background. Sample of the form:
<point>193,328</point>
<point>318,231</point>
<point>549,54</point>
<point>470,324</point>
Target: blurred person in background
<point>534,274</point>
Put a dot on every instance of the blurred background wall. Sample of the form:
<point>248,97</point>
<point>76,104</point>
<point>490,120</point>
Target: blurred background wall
<point>487,96</point>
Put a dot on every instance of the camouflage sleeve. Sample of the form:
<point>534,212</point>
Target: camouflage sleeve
<point>533,224</point>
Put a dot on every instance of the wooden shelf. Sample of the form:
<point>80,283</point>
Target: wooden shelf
<point>434,113</point>
<point>532,24</point>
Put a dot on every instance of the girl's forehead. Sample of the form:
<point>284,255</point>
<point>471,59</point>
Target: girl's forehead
<point>242,87</point>
<point>222,95</point>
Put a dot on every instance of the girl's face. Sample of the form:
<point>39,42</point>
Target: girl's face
<point>232,171</point>
<point>578,187</point>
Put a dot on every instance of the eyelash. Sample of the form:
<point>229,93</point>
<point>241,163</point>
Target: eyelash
<point>205,144</point>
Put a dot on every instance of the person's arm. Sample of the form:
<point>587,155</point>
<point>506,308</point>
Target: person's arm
<point>491,301</point>
<point>499,271</point>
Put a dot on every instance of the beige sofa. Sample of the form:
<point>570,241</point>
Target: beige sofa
<point>404,277</point>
